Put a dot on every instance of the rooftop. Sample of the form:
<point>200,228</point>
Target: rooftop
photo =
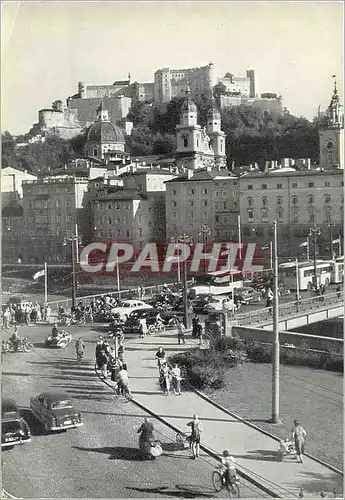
<point>205,175</point>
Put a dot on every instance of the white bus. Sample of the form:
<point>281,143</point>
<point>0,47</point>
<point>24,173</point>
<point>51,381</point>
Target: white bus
<point>287,272</point>
<point>216,283</point>
<point>338,270</point>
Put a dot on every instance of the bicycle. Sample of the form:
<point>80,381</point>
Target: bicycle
<point>219,483</point>
<point>124,391</point>
<point>156,328</point>
<point>80,355</point>
<point>183,439</point>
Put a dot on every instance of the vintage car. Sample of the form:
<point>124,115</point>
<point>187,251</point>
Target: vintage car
<point>124,308</point>
<point>14,429</point>
<point>132,324</point>
<point>247,294</point>
<point>60,341</point>
<point>219,303</point>
<point>55,410</point>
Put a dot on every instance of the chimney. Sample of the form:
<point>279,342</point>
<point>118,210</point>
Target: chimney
<point>308,163</point>
<point>189,173</point>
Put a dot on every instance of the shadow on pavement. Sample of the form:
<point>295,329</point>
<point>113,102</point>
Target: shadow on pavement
<point>116,452</point>
<point>261,455</point>
<point>315,482</point>
<point>180,491</point>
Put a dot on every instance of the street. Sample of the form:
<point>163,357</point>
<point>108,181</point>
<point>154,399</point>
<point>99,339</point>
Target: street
<point>101,458</point>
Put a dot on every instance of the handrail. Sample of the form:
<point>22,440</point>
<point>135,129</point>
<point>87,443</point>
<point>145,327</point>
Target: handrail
<point>289,309</point>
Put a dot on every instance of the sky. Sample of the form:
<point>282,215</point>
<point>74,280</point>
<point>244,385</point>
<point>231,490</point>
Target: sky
<point>47,47</point>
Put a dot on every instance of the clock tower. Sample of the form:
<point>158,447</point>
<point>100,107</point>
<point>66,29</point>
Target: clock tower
<point>331,135</point>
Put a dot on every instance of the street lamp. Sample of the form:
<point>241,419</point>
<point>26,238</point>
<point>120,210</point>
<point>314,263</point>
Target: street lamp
<point>276,347</point>
<point>331,226</point>
<point>204,232</point>
<point>74,239</point>
<point>184,238</point>
<point>175,241</point>
<point>315,231</point>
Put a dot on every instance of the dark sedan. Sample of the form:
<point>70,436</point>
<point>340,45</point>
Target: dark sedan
<point>200,302</point>
<point>55,410</point>
<point>132,324</point>
<point>14,429</point>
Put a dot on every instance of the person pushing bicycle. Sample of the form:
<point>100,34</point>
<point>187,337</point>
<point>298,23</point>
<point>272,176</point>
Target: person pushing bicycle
<point>229,471</point>
<point>80,349</point>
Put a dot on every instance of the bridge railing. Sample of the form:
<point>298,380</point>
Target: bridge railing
<point>289,309</point>
<point>123,294</point>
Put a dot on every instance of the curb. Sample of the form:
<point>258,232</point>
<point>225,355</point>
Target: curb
<point>225,410</point>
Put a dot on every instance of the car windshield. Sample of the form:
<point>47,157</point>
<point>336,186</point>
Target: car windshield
<point>61,404</point>
<point>13,426</point>
<point>124,304</point>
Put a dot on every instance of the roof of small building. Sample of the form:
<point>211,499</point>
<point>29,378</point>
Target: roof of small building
<point>204,175</point>
<point>153,171</point>
<point>122,194</point>
<point>105,132</point>
<point>291,173</point>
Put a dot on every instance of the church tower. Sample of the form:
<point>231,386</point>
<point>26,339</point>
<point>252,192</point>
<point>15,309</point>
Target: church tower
<point>188,134</point>
<point>216,135</point>
<point>331,135</point>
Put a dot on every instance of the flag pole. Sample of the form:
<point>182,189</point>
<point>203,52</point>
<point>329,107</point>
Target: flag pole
<point>45,282</point>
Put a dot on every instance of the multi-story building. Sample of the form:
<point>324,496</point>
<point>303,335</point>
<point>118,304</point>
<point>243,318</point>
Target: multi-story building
<point>135,211</point>
<point>52,206</point>
<point>197,147</point>
<point>208,196</point>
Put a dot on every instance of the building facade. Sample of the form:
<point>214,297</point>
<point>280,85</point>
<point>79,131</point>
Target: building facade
<point>206,197</point>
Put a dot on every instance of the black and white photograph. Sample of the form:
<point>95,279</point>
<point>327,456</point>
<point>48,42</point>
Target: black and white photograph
<point>172,249</point>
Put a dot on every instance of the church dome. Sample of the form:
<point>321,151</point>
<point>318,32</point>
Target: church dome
<point>105,132</point>
<point>189,105</point>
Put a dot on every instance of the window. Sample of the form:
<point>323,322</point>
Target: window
<point>294,200</point>
<point>225,193</point>
<point>109,220</point>
<point>204,191</point>
<point>250,215</point>
<point>192,191</point>
<point>140,232</point>
<point>173,203</point>
<point>127,233</point>
<point>205,203</point>
<point>31,205</point>
<point>174,192</point>
<point>327,198</point>
<point>250,186</point>
<point>117,206</point>
<point>109,206</point>
<point>311,217</point>
<point>118,220</point>
<point>327,184</point>
<point>174,215</point>
<point>191,203</point>
<point>174,227</point>
<point>311,199</point>
<point>327,216</point>
<point>225,205</point>
<point>204,215</point>
<point>279,186</point>
<point>263,186</point>
<point>185,142</point>
<point>311,184</point>
<point>250,202</point>
<point>95,152</point>
<point>216,206</point>
<point>294,184</point>
<point>279,200</point>
<point>295,216</point>
<point>217,218</point>
<point>191,215</point>
<point>235,205</point>
<point>264,202</point>
<point>280,214</point>
<point>217,194</point>
<point>264,214</point>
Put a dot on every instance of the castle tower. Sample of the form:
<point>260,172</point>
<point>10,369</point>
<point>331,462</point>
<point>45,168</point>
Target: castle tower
<point>331,135</point>
<point>216,135</point>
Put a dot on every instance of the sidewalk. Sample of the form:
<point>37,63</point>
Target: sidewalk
<point>254,451</point>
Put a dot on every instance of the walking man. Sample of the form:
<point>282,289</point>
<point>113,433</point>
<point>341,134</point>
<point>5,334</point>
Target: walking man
<point>181,330</point>
<point>196,426</point>
<point>176,379</point>
<point>298,434</point>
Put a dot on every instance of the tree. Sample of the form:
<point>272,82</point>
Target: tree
<point>218,91</point>
<point>164,144</point>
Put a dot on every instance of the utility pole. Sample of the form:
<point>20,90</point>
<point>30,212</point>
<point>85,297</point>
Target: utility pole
<point>314,231</point>
<point>276,347</point>
<point>331,225</point>
<point>184,238</point>
<point>74,281</point>
<point>204,232</point>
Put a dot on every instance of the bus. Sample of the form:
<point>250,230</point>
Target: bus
<point>338,270</point>
<point>216,283</point>
<point>306,272</point>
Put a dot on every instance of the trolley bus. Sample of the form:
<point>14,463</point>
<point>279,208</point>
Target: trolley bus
<point>306,271</point>
<point>217,283</point>
<point>338,270</point>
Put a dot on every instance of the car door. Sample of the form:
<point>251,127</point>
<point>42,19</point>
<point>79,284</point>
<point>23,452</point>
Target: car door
<point>42,408</point>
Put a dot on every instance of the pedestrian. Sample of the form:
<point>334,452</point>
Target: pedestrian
<point>160,357</point>
<point>200,332</point>
<point>143,327</point>
<point>48,313</point>
<point>103,362</point>
<point>165,378</point>
<point>181,330</point>
<point>195,325</point>
<point>298,434</point>
<point>27,311</point>
<point>269,299</point>
<point>6,318</point>
<point>196,426</point>
<point>176,379</point>
<point>98,351</point>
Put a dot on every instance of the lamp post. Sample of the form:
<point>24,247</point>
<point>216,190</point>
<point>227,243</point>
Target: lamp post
<point>315,232</point>
<point>239,236</point>
<point>331,226</point>
<point>204,232</point>
<point>184,238</point>
<point>175,240</point>
<point>74,239</point>
<point>276,347</point>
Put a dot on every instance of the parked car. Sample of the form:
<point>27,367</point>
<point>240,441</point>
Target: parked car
<point>200,303</point>
<point>247,295</point>
<point>133,322</point>
<point>55,410</point>
<point>14,429</point>
<point>125,307</point>
<point>218,303</point>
